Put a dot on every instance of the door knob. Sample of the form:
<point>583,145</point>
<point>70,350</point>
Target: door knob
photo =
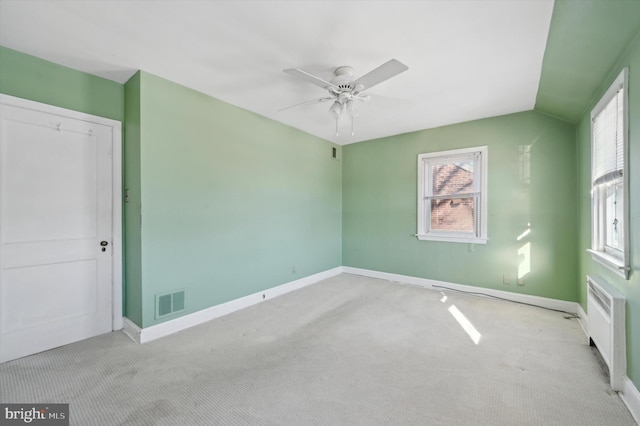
<point>104,243</point>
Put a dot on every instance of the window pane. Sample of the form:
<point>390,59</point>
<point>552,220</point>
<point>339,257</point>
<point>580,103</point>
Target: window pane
<point>451,195</point>
<point>608,138</point>
<point>608,192</point>
<point>453,214</point>
<point>614,216</point>
<point>453,178</point>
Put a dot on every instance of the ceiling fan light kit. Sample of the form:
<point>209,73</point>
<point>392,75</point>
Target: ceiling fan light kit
<point>344,90</point>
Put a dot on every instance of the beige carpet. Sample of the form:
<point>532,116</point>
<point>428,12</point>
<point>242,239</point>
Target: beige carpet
<point>347,351</point>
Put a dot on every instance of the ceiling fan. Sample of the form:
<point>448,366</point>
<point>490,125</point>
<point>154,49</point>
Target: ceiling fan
<point>344,90</point>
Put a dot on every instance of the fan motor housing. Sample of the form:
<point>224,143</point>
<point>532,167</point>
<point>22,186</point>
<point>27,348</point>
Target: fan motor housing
<point>343,78</point>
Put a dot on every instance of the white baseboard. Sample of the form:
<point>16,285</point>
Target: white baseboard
<point>131,329</point>
<point>631,397</point>
<point>629,394</point>
<point>147,334</point>
<point>561,305</point>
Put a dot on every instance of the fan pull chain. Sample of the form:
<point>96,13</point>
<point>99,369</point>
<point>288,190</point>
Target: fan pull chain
<point>337,127</point>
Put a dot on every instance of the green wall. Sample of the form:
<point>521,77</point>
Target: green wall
<point>232,203</point>
<point>585,38</point>
<point>28,77</point>
<point>630,288</point>
<point>533,190</point>
<point>132,207</point>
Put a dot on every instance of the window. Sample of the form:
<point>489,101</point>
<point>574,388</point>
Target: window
<point>609,224</point>
<point>452,191</point>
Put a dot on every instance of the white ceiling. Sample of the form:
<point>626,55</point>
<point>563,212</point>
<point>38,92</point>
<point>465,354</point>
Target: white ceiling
<point>467,59</point>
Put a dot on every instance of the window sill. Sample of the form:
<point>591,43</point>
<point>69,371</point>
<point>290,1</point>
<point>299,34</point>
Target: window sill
<point>461,239</point>
<point>611,262</point>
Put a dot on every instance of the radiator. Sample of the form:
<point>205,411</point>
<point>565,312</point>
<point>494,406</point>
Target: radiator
<point>606,326</point>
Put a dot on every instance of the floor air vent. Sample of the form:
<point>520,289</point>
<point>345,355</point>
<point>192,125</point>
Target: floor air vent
<point>606,317</point>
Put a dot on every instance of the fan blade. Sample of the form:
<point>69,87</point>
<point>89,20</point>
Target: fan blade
<point>362,97</point>
<point>310,78</point>
<point>383,72</point>
<point>313,101</point>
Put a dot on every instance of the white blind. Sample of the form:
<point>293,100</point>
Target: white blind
<point>608,141</point>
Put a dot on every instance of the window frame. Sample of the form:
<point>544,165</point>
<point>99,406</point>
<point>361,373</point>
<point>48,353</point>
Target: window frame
<point>614,258</point>
<point>479,193</point>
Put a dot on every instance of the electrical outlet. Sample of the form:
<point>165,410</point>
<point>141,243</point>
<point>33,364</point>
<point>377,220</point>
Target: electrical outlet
<point>521,281</point>
<point>506,279</point>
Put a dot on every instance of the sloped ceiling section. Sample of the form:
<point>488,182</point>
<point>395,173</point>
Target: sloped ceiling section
<point>467,59</point>
<point>580,51</point>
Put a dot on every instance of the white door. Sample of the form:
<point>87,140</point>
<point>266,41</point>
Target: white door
<point>55,230</point>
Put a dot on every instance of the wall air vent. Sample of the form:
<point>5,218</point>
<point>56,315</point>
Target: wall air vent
<point>169,303</point>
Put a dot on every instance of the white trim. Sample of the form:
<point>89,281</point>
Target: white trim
<point>619,266</point>
<point>116,217</point>
<point>631,398</point>
<point>131,329</point>
<point>629,394</point>
<point>480,194</point>
<point>621,81</point>
<point>561,305</point>
<point>451,239</point>
<point>147,334</point>
<point>613,263</point>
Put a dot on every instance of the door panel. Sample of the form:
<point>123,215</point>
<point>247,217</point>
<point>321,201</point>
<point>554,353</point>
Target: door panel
<point>54,197</point>
<point>37,296</point>
<point>56,208</point>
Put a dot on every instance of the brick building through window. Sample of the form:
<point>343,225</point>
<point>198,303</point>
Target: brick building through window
<point>452,188</point>
<point>452,214</point>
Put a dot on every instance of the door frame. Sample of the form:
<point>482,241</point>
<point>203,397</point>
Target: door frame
<point>116,212</point>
